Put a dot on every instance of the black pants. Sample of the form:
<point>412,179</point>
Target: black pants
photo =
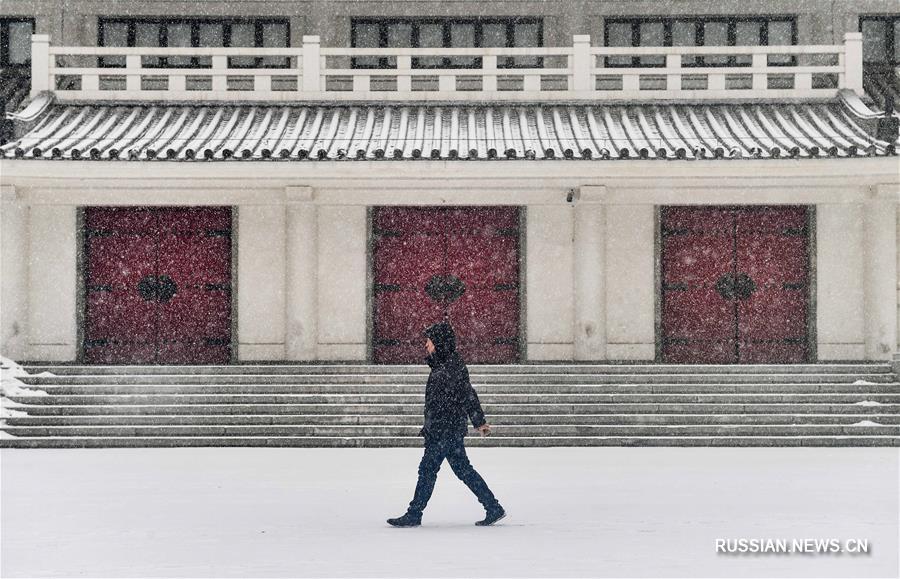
<point>451,447</point>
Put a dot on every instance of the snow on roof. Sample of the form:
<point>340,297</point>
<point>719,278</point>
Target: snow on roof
<point>217,131</point>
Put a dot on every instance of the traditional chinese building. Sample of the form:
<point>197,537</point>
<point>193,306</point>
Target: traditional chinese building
<point>563,181</point>
<point>220,183</point>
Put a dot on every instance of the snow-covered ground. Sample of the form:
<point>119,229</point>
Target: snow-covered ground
<point>579,512</point>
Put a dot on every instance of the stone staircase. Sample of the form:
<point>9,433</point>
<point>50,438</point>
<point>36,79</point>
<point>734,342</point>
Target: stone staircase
<point>328,405</point>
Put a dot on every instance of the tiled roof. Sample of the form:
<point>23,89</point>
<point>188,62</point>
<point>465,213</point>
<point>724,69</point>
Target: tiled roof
<point>457,131</point>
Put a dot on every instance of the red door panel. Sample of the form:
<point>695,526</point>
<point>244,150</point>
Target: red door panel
<point>698,249</point>
<point>483,221</point>
<point>437,248</point>
<point>194,259</point>
<point>717,352</point>
<point>119,323</point>
<point>483,262</point>
<point>402,315</point>
<point>120,353</point>
<point>772,259</point>
<point>121,220</point>
<point>409,221</point>
<point>193,353</point>
<point>697,260</point>
<point>772,352</point>
<point>186,220</point>
<point>409,261</point>
<point>735,284</point>
<point>772,250</point>
<point>696,220</point>
<point>772,220</point>
<point>485,316</point>
<point>195,315</point>
<point>130,248</point>
<point>120,316</point>
<point>773,313</point>
<point>700,314</point>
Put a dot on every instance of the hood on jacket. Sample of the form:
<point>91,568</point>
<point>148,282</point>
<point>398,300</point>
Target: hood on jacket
<point>443,337</point>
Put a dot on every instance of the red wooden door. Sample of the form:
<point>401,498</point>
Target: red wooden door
<point>735,284</point>
<point>772,248</point>
<point>458,264</point>
<point>158,285</point>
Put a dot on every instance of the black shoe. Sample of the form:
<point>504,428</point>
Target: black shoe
<point>407,520</point>
<point>492,517</point>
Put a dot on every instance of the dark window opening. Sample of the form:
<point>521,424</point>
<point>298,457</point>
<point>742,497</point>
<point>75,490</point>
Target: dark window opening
<point>716,31</point>
<point>447,33</point>
<point>881,39</point>
<point>195,33</point>
<point>15,42</point>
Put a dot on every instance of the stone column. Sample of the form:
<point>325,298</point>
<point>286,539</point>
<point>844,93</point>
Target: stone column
<point>301,282</point>
<point>880,277</point>
<point>342,279</point>
<point>548,282</point>
<point>630,282</point>
<point>896,361</point>
<point>260,282</point>
<point>840,288</point>
<point>589,268</point>
<point>14,273</point>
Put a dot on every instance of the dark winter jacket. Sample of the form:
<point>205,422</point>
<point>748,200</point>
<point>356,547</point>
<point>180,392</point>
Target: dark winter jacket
<point>450,400</point>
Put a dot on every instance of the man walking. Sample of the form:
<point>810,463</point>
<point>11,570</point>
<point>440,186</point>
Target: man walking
<point>450,401</point>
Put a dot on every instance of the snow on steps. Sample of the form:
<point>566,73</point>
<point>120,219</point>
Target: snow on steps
<point>377,406</point>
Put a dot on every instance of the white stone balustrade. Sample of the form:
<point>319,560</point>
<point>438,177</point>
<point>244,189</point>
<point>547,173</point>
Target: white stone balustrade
<point>579,72</point>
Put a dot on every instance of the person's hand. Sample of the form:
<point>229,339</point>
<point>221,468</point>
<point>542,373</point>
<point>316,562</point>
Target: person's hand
<point>484,429</point>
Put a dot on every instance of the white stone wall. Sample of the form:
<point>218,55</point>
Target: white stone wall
<point>840,320</point>
<point>630,282</point>
<point>14,275</point>
<point>260,282</point>
<point>52,278</point>
<point>343,282</point>
<point>302,278</point>
<point>880,264</point>
<point>76,22</point>
<point>548,282</point>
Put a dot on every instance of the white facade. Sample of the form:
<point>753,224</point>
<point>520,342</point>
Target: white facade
<point>590,266</point>
<point>590,257</point>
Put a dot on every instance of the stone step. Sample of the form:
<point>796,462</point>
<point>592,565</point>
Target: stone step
<point>376,399</point>
<point>475,441</point>
<point>490,409</point>
<point>359,379</point>
<point>482,389</point>
<point>498,432</point>
<point>416,419</point>
<point>474,369</point>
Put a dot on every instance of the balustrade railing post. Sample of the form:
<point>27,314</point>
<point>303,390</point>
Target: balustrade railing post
<point>673,72</point>
<point>312,74</point>
<point>133,66</point>
<point>853,62</point>
<point>581,63</point>
<point>404,80</point>
<point>760,77</point>
<point>219,68</point>
<point>40,63</point>
<point>489,72</point>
